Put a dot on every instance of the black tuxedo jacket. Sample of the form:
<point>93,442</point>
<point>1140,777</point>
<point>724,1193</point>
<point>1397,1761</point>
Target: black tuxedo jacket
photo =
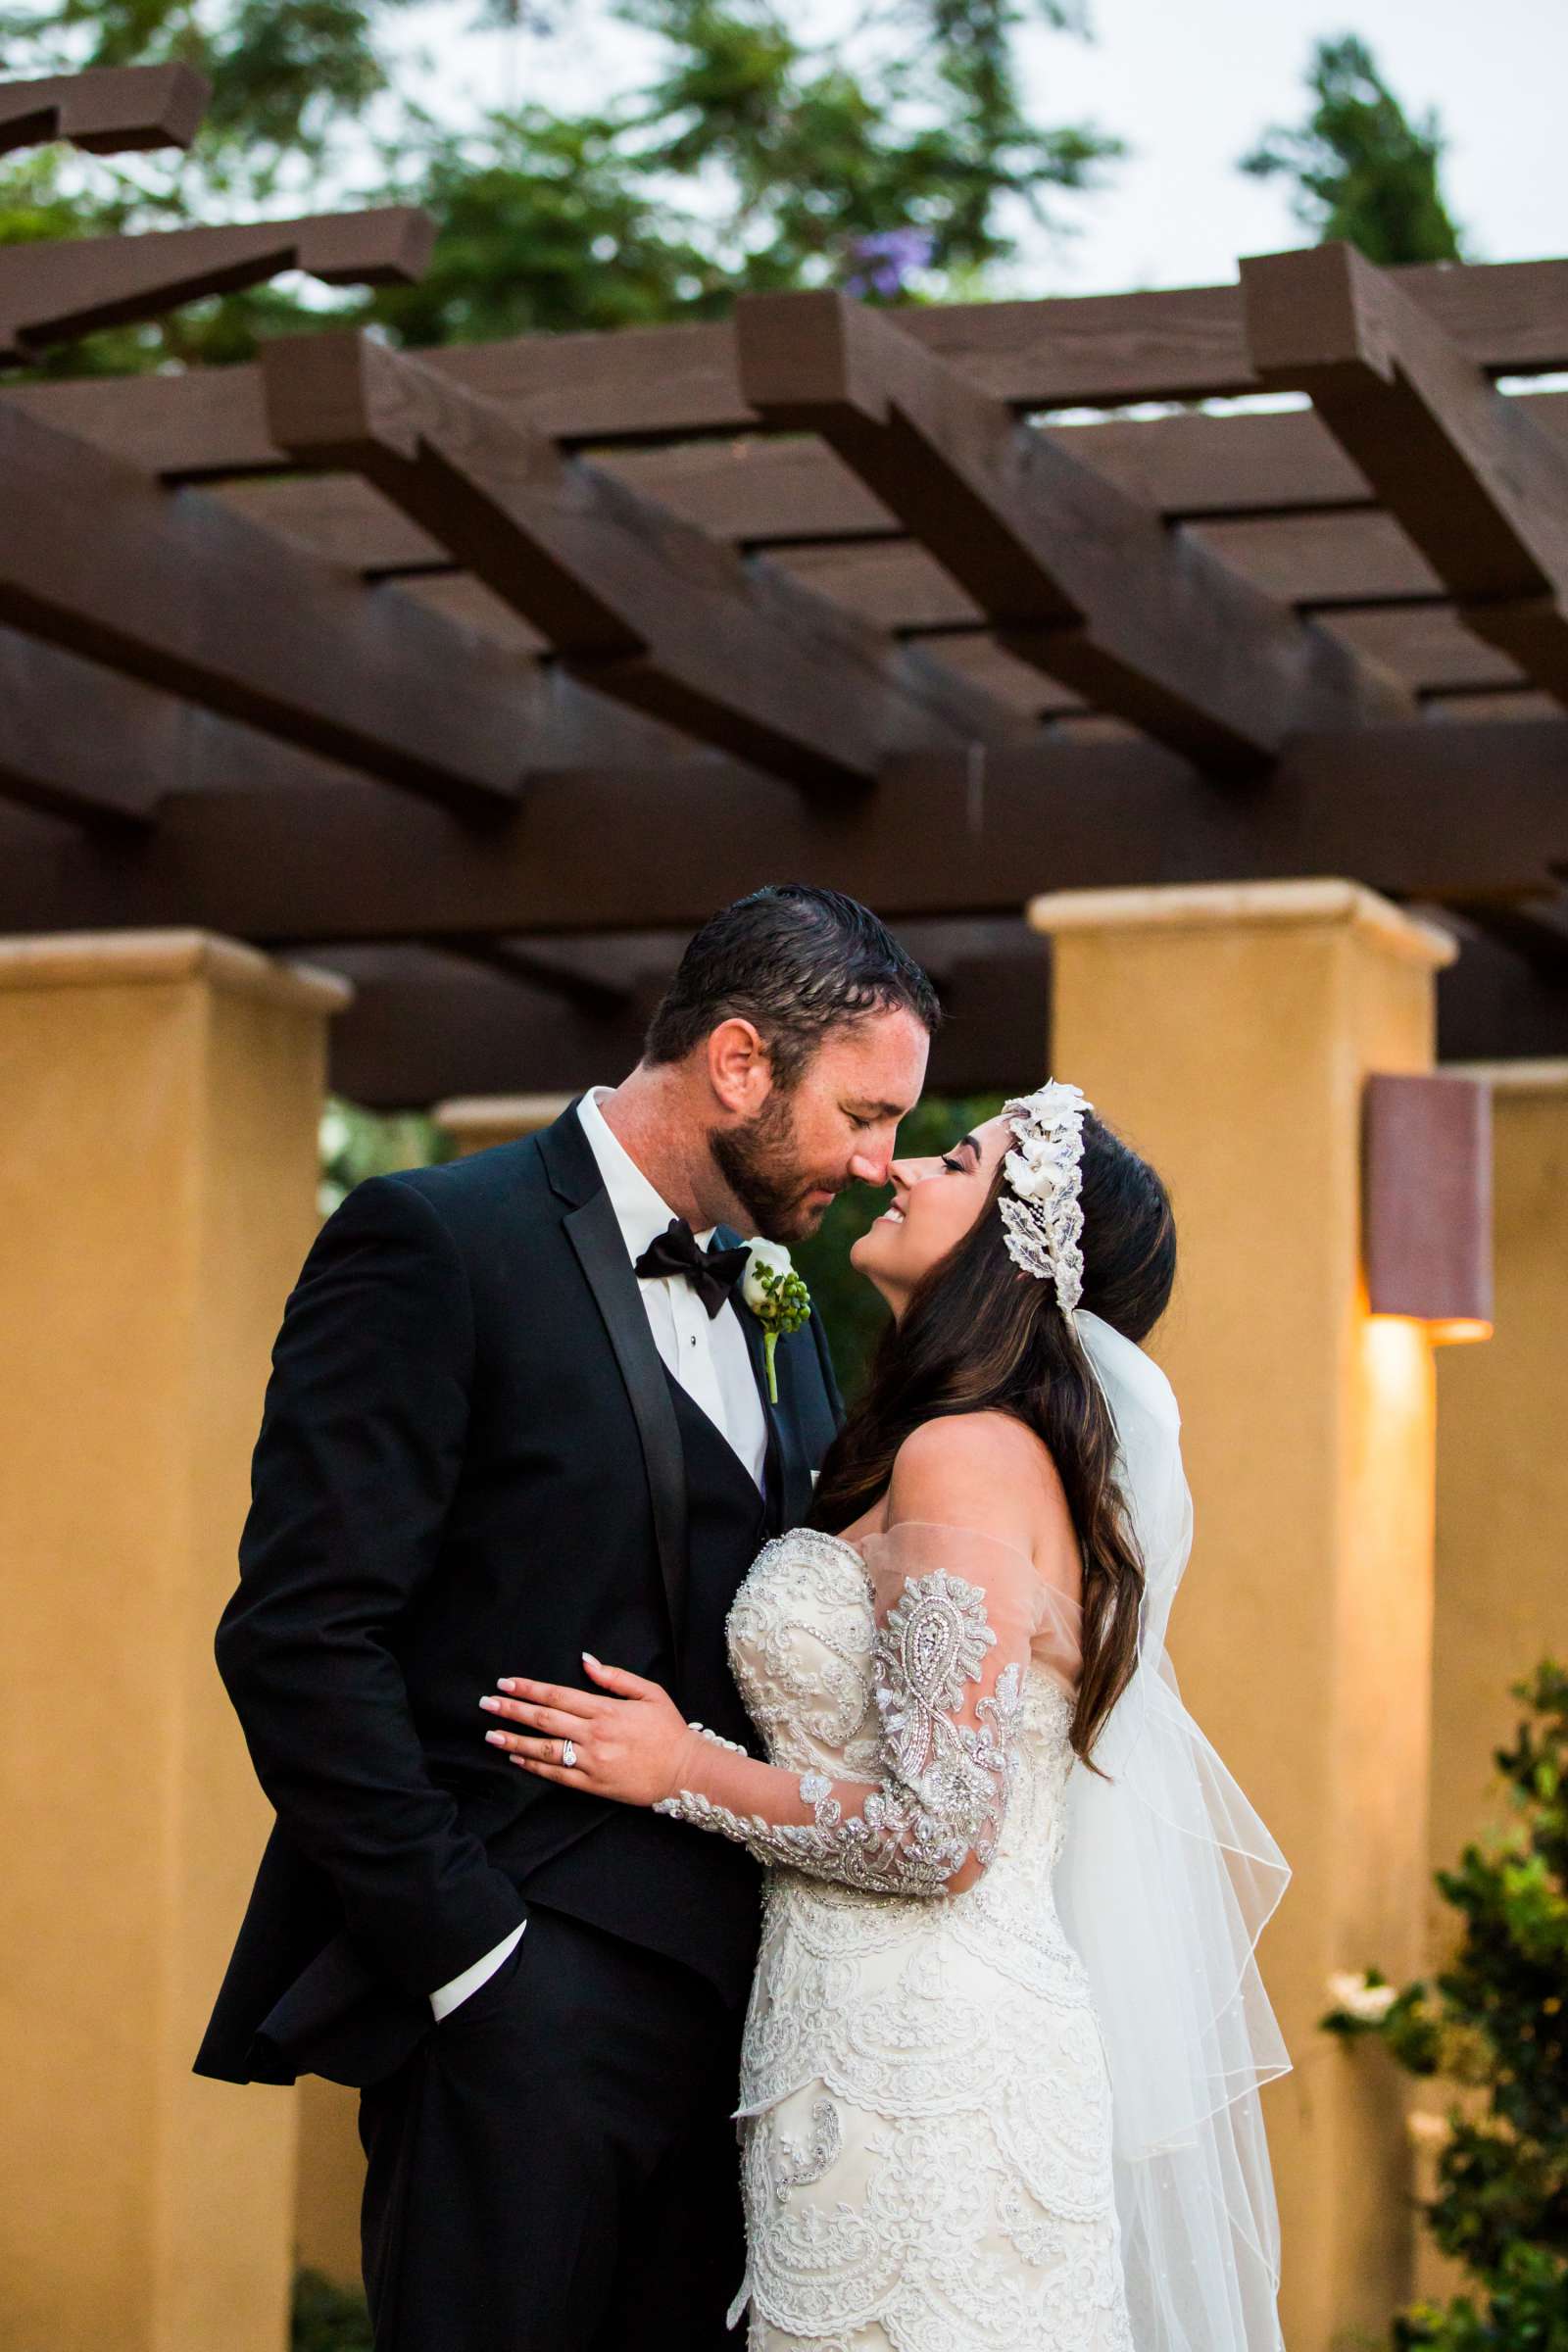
<point>470,1464</point>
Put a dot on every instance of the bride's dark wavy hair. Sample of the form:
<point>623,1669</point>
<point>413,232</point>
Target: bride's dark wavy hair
<point>978,1335</point>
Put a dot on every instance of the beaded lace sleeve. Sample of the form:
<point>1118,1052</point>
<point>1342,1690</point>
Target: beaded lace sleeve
<point>957,1612</point>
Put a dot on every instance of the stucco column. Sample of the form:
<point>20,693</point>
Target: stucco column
<point>158,1180</point>
<point>1503,1470</point>
<point>1503,1503</point>
<point>476,1121</point>
<point>1227,1032</point>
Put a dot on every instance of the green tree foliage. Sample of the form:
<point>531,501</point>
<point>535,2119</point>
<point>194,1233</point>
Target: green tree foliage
<point>1362,170</point>
<point>897,159</point>
<point>1493,2024</point>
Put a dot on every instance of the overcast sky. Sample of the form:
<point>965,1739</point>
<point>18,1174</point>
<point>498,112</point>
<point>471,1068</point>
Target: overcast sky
<point>1189,84</point>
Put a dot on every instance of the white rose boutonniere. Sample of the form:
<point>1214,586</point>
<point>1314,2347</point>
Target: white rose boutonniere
<point>776,1296</point>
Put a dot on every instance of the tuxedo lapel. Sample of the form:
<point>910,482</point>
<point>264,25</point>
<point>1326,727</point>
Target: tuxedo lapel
<point>789,1472</point>
<point>774,1467</point>
<point>594,1235</point>
<point>796,1469</point>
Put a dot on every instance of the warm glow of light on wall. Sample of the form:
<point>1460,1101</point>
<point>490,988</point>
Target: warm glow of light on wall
<point>1398,1366</point>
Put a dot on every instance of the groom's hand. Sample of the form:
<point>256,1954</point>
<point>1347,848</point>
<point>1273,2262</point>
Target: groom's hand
<point>627,1746</point>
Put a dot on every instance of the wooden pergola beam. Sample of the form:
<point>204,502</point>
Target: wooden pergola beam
<point>1480,490</point>
<point>110,109</point>
<point>646,385</point>
<point>1336,557</point>
<point>1494,1005</point>
<point>423,1025</point>
<point>1535,930</point>
<point>585,992</point>
<point>54,290</point>
<point>78,742</point>
<point>169,587</point>
<point>99,750</point>
<point>1443,812</point>
<point>645,608</point>
<point>1073,574</point>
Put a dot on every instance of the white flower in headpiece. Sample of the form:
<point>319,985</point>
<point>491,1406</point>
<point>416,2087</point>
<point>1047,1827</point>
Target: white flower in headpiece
<point>1041,1208</point>
<point>1030,1179</point>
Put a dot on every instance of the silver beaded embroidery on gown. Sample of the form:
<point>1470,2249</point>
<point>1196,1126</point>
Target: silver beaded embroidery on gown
<point>925,2101</point>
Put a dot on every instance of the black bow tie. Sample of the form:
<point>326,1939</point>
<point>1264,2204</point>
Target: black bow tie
<point>711,1272</point>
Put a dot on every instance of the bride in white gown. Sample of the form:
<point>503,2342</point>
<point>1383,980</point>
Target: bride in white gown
<point>1000,2067</point>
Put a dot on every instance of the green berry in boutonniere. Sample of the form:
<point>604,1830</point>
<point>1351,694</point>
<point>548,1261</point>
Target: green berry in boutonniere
<point>776,1296</point>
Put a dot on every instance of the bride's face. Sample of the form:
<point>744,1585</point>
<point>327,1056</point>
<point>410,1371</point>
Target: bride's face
<point>935,1202</point>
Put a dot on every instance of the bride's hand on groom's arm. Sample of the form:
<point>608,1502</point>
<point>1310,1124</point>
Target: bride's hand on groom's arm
<point>627,1738</point>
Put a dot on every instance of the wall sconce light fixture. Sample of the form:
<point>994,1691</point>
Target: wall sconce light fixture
<point>1426,1167</point>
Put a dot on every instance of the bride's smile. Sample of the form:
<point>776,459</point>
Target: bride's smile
<point>935,1204</point>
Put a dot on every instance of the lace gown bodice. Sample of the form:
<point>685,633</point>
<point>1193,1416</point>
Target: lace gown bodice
<point>924,2102</point>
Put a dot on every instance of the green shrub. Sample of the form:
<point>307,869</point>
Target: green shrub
<point>1492,2022</point>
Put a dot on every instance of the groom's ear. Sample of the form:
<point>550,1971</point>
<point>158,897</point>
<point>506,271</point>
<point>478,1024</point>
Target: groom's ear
<point>740,1070</point>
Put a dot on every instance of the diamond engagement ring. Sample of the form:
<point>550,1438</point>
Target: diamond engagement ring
<point>568,1754</point>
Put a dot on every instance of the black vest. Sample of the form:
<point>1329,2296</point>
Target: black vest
<point>683,1891</point>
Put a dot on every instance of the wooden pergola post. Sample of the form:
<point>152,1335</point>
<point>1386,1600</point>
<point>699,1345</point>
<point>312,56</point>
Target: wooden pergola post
<point>156,1197</point>
<point>1228,1033</point>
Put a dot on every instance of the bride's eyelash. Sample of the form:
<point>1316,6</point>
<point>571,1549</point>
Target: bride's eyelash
<point>957,1165</point>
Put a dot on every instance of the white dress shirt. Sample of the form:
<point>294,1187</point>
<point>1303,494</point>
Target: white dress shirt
<point>707,1353</point>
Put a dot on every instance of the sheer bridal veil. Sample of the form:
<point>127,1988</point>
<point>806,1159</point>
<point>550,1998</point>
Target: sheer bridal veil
<point>1167,1880</point>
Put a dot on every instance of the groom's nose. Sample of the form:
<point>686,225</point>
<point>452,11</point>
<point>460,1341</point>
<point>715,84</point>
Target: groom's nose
<point>872,1159</point>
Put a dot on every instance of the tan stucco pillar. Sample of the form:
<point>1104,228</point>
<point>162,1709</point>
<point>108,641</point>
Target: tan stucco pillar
<point>1227,1032</point>
<point>158,1177</point>
<point>476,1121</point>
<point>1502,1471</point>
<point>330,2180</point>
<point>1503,1503</point>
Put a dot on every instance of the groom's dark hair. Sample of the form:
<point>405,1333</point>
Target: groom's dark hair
<point>796,961</point>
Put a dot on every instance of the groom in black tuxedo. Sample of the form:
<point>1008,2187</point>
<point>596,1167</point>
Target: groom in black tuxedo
<point>519,1412</point>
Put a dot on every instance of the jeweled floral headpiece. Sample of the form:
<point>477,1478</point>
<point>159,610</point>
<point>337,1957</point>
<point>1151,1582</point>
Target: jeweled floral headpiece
<point>1043,1206</point>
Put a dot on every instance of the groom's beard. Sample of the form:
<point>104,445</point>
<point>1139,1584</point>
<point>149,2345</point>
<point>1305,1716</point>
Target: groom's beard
<point>759,1165</point>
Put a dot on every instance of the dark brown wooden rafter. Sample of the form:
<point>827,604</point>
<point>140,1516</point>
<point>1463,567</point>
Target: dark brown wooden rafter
<point>644,606</point>
<point>1496,1006</point>
<point>53,291</point>
<point>514,959</point>
<point>1479,489</point>
<point>1072,573</point>
<point>102,751</point>
<point>1417,809</point>
<point>1533,929</point>
<point>80,743</point>
<point>429,1022</point>
<point>108,110</point>
<point>169,588</point>
<point>423,1024</point>
<point>1315,560</point>
<point>643,385</point>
